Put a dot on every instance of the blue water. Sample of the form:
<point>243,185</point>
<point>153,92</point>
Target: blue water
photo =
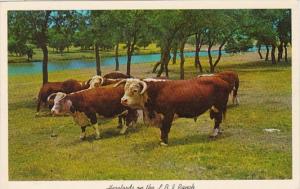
<point>36,67</point>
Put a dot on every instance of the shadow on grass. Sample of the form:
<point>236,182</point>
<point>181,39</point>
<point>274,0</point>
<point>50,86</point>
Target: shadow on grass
<point>191,139</point>
<point>105,134</point>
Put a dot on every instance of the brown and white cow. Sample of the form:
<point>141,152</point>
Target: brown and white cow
<point>47,89</point>
<point>72,85</point>
<point>232,78</point>
<point>163,99</point>
<point>85,105</point>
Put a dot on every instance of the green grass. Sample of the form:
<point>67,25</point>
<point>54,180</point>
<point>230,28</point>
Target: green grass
<point>243,151</point>
<point>76,53</point>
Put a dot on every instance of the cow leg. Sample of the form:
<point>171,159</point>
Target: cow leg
<point>82,134</point>
<point>165,129</point>
<point>93,119</point>
<point>96,127</point>
<point>124,127</point>
<point>120,123</point>
<point>217,116</point>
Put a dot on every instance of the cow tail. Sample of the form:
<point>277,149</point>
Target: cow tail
<point>224,113</point>
<point>236,87</point>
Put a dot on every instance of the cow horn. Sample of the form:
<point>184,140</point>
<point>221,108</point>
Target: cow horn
<point>120,82</point>
<point>144,86</point>
<point>51,96</point>
<point>102,80</point>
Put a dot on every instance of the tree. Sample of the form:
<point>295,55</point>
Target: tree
<point>222,25</point>
<point>238,43</point>
<point>167,23</point>
<point>100,25</point>
<point>135,29</point>
<point>34,26</point>
<point>284,33</point>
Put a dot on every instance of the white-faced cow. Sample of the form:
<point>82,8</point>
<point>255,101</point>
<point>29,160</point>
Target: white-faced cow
<point>85,105</point>
<point>164,99</point>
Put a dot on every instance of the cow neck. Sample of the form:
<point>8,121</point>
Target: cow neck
<point>76,99</point>
<point>153,89</point>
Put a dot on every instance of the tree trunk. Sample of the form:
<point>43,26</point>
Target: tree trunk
<point>157,63</point>
<point>210,58</point>
<point>45,63</point>
<point>197,50</point>
<point>258,50</point>
<point>267,54</point>
<point>98,68</point>
<point>130,49</point>
<point>182,59</point>
<point>273,54</point>
<point>219,57</point>
<point>128,60</point>
<point>280,51</point>
<point>164,61</point>
<point>285,52</point>
<point>174,55</point>
<point>117,57</point>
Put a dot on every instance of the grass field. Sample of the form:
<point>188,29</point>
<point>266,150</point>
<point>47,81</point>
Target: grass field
<point>243,151</point>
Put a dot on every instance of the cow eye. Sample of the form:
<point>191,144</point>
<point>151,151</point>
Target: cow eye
<point>135,90</point>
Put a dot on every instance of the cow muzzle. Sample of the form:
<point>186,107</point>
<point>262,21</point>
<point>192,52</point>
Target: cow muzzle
<point>124,101</point>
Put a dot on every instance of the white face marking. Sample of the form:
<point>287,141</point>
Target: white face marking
<point>96,81</point>
<point>132,96</point>
<point>61,105</point>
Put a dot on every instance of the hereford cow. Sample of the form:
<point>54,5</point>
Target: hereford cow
<point>68,86</point>
<point>233,79</point>
<point>47,89</point>
<point>161,100</point>
<point>85,105</point>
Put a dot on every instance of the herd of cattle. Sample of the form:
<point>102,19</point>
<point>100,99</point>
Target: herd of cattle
<point>158,100</point>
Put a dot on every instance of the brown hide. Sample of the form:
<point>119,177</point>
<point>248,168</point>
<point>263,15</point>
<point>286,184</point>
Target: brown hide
<point>103,101</point>
<point>47,89</point>
<point>116,75</point>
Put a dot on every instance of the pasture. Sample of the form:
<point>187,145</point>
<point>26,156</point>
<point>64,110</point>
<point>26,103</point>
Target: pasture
<point>243,151</point>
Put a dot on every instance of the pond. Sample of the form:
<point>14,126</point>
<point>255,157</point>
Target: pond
<point>36,67</point>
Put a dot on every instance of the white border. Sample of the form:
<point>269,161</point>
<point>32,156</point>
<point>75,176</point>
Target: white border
<point>92,5</point>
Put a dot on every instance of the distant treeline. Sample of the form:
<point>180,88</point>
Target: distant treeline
<point>234,30</point>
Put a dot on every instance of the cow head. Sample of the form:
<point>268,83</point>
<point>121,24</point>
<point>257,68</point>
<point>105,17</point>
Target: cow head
<point>96,81</point>
<point>62,104</point>
<point>135,94</point>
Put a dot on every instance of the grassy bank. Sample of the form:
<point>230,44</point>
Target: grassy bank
<point>77,53</point>
<point>243,151</point>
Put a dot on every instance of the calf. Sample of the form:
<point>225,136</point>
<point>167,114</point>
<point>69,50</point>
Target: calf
<point>86,104</point>
<point>184,98</point>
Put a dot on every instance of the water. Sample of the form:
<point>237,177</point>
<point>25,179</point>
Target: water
<point>36,67</point>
